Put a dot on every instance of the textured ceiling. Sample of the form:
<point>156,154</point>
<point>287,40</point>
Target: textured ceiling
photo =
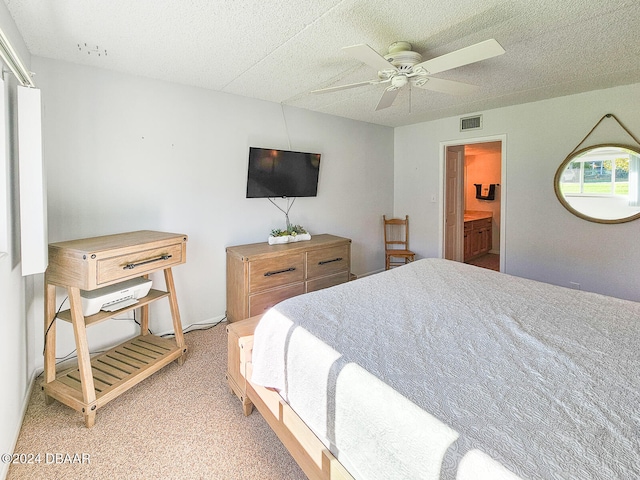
<point>280,50</point>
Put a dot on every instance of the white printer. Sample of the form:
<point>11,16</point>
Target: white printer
<point>114,297</point>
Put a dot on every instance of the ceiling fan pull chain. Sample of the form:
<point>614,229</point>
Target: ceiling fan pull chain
<point>410,99</point>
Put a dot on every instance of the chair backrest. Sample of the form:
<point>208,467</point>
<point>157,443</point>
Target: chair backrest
<point>396,233</point>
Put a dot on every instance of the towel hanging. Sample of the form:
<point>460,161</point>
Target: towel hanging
<point>485,191</point>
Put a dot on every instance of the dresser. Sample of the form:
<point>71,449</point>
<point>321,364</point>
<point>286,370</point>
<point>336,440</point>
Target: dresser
<point>260,275</point>
<point>92,263</point>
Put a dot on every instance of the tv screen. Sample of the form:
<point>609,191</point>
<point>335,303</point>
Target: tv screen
<point>282,173</point>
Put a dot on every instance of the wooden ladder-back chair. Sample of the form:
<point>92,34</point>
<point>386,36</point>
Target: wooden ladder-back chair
<point>396,242</point>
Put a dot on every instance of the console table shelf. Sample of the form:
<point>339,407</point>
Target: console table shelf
<point>115,371</point>
<point>152,296</point>
<point>97,262</point>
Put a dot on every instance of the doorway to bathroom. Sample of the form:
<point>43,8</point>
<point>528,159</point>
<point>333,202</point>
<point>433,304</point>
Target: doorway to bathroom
<point>474,203</point>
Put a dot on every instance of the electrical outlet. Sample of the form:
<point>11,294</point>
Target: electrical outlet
<point>575,285</point>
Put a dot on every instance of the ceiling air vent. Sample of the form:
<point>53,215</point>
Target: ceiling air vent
<point>471,123</point>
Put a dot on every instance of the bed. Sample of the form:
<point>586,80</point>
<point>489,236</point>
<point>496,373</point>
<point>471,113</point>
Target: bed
<point>441,370</point>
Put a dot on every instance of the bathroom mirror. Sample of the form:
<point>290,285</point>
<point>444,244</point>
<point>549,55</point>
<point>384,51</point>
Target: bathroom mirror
<point>601,183</point>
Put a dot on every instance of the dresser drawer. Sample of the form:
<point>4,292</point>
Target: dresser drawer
<point>261,302</point>
<point>328,281</point>
<point>90,263</point>
<point>137,263</point>
<point>273,272</point>
<point>327,261</point>
<point>260,275</point>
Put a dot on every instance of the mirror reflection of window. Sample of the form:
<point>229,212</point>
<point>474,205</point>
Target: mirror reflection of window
<point>633,171</point>
<point>601,183</point>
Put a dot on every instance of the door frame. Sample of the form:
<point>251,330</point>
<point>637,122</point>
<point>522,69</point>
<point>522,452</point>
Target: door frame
<point>503,190</point>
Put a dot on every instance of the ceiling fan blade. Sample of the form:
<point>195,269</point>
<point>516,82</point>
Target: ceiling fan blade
<point>368,55</point>
<point>388,96</point>
<point>344,87</point>
<point>446,86</point>
<point>471,54</point>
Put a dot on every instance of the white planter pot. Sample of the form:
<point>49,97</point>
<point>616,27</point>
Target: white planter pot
<point>289,238</point>
<point>300,237</point>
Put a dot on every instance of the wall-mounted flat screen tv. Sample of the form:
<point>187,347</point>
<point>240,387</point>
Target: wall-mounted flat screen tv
<point>282,173</point>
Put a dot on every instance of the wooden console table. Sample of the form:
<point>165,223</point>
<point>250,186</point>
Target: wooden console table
<point>92,263</point>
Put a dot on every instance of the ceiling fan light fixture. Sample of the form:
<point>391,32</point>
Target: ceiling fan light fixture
<point>386,74</point>
<point>399,81</point>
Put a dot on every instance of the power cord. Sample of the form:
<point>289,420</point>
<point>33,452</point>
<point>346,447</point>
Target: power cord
<point>286,212</point>
<point>52,322</point>
<point>134,319</point>
<point>207,326</point>
<point>46,333</point>
<point>71,356</point>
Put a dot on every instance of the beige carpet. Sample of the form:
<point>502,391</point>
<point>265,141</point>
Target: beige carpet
<point>181,423</point>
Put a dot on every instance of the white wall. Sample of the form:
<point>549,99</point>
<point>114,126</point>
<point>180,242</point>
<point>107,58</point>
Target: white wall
<point>126,153</point>
<point>14,355</point>
<point>543,240</point>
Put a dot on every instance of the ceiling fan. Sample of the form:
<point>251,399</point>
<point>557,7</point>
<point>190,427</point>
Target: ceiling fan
<point>402,66</point>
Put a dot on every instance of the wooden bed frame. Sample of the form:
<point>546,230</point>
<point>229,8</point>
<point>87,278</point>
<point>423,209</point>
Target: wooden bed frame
<point>307,450</point>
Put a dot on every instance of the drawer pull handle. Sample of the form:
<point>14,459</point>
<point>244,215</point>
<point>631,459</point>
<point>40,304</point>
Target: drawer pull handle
<point>329,261</point>
<point>291,269</point>
<point>131,266</point>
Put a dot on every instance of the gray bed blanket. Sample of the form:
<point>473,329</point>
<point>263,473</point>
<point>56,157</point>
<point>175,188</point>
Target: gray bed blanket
<point>412,372</point>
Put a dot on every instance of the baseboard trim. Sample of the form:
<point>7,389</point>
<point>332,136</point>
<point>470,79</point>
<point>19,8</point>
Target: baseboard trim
<point>23,412</point>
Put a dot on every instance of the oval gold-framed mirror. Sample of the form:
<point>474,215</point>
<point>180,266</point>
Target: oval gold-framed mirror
<point>601,183</point>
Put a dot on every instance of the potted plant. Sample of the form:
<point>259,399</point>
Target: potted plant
<point>293,233</point>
